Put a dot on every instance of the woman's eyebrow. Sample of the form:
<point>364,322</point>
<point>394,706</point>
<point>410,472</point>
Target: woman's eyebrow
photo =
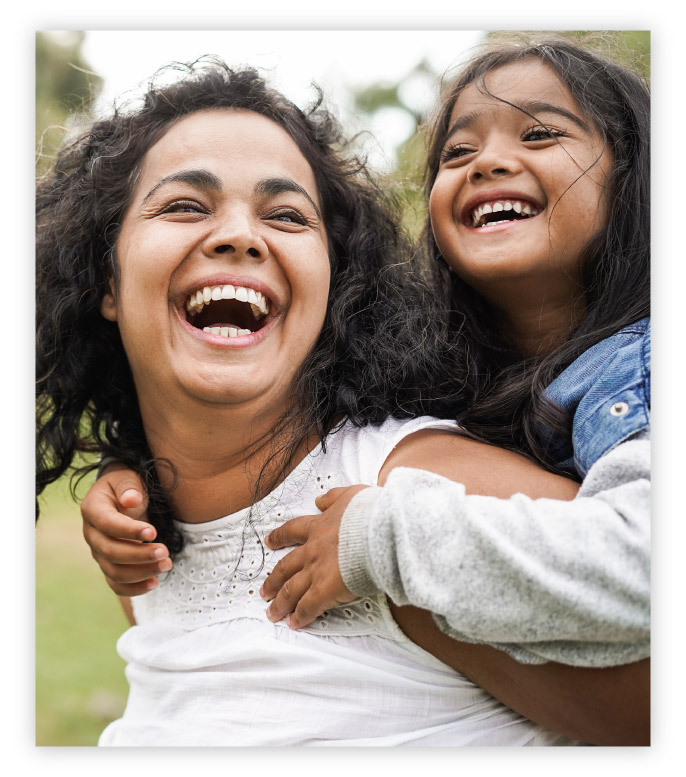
<point>529,107</point>
<point>274,186</point>
<point>201,179</point>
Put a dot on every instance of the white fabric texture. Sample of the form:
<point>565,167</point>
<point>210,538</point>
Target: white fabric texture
<point>206,667</point>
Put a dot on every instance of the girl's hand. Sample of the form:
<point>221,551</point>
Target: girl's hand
<point>308,580</point>
<point>114,527</point>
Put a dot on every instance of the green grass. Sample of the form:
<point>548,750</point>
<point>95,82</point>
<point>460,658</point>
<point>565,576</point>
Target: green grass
<point>80,683</point>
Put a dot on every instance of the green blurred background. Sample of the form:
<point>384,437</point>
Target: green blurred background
<point>80,683</point>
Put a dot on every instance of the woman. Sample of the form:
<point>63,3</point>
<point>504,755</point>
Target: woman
<point>243,274</point>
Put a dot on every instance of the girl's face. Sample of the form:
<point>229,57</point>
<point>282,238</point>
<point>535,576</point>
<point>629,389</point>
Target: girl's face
<point>223,262</point>
<point>517,199</point>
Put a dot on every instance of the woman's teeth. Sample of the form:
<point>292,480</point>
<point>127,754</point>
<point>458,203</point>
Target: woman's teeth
<point>197,300</point>
<point>227,310</point>
<point>483,216</point>
<point>226,331</point>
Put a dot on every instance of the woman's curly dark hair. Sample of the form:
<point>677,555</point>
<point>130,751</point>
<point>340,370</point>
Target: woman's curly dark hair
<point>384,349</point>
<point>506,392</point>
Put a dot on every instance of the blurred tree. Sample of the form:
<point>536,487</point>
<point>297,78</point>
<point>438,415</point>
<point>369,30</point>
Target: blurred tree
<point>65,90</point>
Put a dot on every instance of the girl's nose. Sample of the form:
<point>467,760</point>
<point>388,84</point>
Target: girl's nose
<point>494,162</point>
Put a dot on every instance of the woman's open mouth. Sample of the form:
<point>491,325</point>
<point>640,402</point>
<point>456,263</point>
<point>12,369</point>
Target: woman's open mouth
<point>488,214</point>
<point>227,310</point>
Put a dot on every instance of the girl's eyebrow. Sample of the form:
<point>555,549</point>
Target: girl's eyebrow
<point>204,179</point>
<point>529,107</point>
<point>274,186</point>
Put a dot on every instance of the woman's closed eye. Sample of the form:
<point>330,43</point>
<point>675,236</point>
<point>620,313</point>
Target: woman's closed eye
<point>183,206</point>
<point>287,216</point>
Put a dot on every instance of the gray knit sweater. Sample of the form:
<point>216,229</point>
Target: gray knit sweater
<point>543,580</point>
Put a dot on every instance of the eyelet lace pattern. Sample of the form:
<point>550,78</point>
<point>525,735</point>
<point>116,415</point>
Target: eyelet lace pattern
<point>218,575</point>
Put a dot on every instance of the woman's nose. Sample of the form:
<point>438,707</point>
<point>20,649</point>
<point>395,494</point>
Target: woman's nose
<point>235,237</point>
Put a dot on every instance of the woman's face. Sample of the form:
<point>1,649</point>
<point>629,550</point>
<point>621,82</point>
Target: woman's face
<point>223,262</point>
<point>516,198</point>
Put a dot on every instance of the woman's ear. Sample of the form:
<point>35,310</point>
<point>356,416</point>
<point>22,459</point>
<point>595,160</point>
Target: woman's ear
<point>108,306</point>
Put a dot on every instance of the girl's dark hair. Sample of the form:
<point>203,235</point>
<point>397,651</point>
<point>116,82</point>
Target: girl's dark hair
<point>506,403</point>
<point>384,348</point>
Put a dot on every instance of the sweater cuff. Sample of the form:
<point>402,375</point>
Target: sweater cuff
<point>353,556</point>
<point>104,462</point>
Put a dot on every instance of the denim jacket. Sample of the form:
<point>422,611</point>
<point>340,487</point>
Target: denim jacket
<point>607,390</point>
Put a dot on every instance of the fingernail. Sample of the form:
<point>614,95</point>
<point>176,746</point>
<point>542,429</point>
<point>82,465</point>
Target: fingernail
<point>148,534</point>
<point>262,592</point>
<point>165,566</point>
<point>150,584</point>
<point>130,492</point>
<point>160,553</point>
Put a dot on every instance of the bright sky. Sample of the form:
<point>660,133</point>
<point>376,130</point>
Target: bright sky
<point>335,59</point>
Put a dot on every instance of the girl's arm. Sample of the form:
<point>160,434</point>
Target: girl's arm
<point>120,539</point>
<point>540,578</point>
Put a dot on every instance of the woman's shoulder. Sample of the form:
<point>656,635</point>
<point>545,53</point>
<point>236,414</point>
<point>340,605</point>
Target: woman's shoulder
<point>360,451</point>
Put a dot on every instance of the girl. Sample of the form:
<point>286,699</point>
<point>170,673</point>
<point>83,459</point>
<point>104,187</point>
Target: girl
<point>140,568</point>
<point>538,188</point>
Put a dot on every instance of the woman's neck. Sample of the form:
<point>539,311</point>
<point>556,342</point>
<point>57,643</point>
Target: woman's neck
<point>217,455</point>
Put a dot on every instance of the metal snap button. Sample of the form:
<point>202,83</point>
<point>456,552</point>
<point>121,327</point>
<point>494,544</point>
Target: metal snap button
<point>619,409</point>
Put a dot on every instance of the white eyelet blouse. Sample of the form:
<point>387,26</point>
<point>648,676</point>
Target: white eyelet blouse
<point>206,667</point>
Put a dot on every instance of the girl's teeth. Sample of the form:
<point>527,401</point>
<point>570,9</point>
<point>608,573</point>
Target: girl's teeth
<point>501,205</point>
<point>228,292</point>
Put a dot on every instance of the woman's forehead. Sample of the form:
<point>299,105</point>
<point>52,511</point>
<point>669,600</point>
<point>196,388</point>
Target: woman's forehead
<point>227,139</point>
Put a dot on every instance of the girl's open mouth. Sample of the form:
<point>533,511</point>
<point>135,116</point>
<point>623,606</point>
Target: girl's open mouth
<point>227,310</point>
<point>488,214</point>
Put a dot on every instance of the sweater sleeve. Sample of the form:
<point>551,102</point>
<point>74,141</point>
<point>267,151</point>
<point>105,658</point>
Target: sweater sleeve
<point>543,580</point>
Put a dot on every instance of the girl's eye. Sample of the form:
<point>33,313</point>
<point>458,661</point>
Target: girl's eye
<point>183,206</point>
<point>455,152</point>
<point>541,133</point>
<point>288,216</point>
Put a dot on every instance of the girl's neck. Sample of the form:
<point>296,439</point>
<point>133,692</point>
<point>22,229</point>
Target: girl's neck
<point>539,331</point>
<point>218,456</point>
